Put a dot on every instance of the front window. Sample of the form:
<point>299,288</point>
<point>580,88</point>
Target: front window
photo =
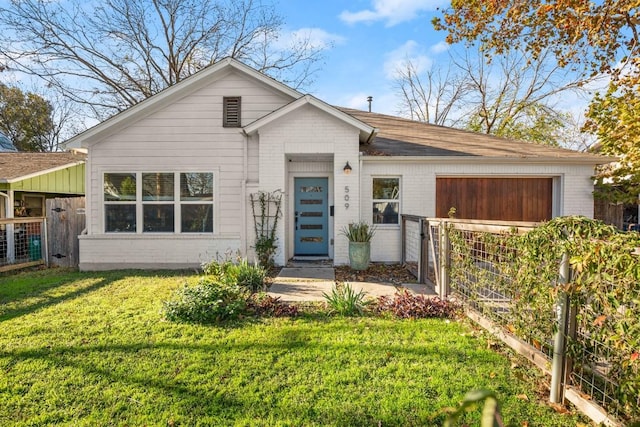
<point>158,202</point>
<point>196,197</point>
<point>120,202</point>
<point>386,200</point>
<point>161,202</point>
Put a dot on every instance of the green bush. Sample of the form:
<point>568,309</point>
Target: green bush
<point>216,268</point>
<point>248,276</point>
<point>344,301</point>
<point>208,301</point>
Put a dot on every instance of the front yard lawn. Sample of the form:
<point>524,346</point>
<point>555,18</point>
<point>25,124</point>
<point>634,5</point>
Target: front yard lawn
<point>93,349</point>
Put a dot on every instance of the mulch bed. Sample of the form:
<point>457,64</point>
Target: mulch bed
<point>376,273</point>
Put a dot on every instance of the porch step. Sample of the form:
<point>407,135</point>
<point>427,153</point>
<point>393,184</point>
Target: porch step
<point>306,273</point>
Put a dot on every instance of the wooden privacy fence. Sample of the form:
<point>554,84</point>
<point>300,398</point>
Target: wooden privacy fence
<point>65,222</point>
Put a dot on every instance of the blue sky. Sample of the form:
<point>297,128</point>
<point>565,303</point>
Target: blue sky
<point>370,39</point>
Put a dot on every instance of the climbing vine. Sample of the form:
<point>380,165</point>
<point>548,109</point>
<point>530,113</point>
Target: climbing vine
<point>603,289</point>
<point>266,207</point>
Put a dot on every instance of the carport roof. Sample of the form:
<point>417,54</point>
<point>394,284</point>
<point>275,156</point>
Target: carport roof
<point>18,166</point>
<point>398,136</point>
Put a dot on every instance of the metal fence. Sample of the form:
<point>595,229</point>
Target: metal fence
<point>476,260</point>
<point>22,242</point>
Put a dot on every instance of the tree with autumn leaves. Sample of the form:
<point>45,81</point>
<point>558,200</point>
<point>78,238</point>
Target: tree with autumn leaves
<point>586,37</point>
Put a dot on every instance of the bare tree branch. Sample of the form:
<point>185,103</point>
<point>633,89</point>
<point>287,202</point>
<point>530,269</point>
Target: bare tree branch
<point>111,57</point>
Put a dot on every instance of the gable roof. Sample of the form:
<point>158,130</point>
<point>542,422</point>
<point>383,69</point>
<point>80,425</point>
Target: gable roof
<point>18,166</point>
<point>398,136</point>
<point>171,93</point>
<point>366,131</point>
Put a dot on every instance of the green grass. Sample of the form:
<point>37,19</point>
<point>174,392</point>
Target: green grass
<point>93,349</point>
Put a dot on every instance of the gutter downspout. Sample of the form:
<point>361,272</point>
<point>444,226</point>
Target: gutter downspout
<point>360,178</point>
<point>243,193</point>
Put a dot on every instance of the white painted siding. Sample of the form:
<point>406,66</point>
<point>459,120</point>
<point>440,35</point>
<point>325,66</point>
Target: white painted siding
<point>185,136</point>
<point>418,190</point>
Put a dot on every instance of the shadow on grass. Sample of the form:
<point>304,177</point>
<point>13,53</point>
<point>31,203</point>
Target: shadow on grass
<point>15,290</point>
<point>207,395</point>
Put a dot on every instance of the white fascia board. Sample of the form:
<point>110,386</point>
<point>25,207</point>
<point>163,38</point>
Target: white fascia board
<point>308,100</point>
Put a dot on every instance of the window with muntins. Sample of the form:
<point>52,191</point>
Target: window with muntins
<point>231,111</point>
<point>386,200</point>
<point>159,202</point>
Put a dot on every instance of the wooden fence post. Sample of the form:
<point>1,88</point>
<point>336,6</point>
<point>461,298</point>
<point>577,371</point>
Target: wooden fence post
<point>445,260</point>
<point>423,268</point>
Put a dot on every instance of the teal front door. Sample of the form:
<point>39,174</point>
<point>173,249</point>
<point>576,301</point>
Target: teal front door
<point>311,216</point>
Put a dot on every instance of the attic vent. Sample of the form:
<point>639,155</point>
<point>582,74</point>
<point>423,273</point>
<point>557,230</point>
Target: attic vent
<point>231,111</point>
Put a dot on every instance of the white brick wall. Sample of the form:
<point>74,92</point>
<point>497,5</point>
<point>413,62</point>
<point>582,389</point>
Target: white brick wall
<point>169,252</point>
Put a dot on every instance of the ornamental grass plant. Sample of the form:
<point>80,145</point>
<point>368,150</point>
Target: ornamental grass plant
<point>359,232</point>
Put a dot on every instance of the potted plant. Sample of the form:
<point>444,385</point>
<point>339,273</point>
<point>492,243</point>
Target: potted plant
<point>359,235</point>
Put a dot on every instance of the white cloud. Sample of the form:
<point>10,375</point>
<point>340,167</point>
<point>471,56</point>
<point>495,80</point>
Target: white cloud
<point>316,38</point>
<point>439,47</point>
<point>391,11</point>
<point>397,59</point>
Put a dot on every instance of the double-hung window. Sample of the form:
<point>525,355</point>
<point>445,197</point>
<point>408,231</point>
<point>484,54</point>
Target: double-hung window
<point>120,202</point>
<point>159,202</point>
<point>386,200</point>
<point>196,202</point>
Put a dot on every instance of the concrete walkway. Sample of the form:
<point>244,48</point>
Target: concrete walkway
<point>308,283</point>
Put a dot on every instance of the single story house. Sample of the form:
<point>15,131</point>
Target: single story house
<point>169,181</point>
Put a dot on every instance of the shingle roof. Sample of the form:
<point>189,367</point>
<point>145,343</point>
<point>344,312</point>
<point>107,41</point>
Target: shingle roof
<point>403,137</point>
<point>14,166</point>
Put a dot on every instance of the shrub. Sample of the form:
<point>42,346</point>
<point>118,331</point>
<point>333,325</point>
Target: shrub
<point>217,268</point>
<point>208,301</point>
<point>344,301</point>
<point>266,305</point>
<point>248,276</point>
<point>406,305</point>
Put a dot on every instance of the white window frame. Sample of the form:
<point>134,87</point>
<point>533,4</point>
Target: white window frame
<point>398,200</point>
<point>176,202</point>
<point>106,203</point>
<point>158,202</point>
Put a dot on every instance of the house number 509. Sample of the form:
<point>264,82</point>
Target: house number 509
<point>346,197</point>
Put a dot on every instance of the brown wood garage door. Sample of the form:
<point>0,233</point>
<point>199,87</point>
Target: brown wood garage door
<point>508,199</point>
